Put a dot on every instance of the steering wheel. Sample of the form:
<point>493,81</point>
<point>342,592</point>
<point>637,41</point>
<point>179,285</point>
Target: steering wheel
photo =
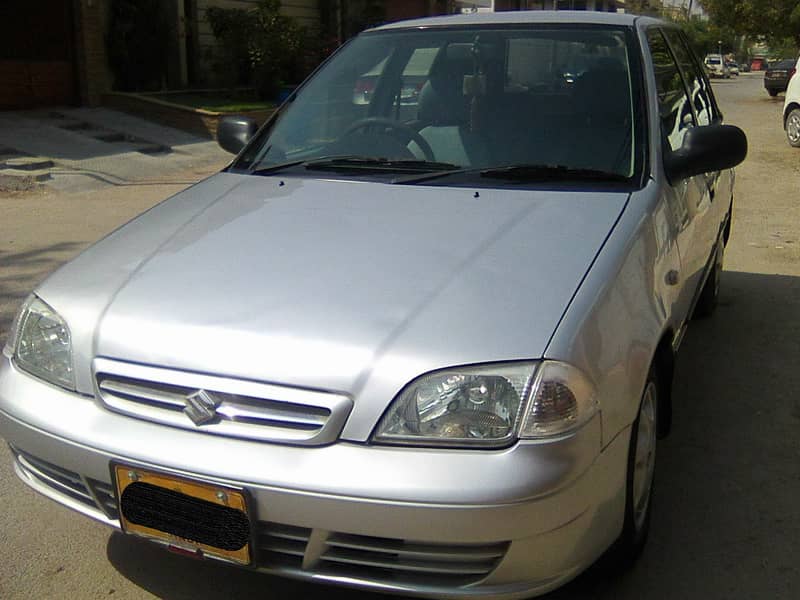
<point>408,133</point>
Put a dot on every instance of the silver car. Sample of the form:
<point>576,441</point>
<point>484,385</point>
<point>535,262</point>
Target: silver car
<point>423,348</point>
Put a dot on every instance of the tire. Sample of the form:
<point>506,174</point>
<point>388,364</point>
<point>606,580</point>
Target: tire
<point>772,93</point>
<point>793,127</point>
<point>640,478</point>
<point>709,297</point>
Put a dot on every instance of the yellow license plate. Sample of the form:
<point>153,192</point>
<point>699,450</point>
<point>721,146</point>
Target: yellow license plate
<point>191,516</point>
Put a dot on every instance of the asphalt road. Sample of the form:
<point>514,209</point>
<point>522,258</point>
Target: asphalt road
<point>727,509</point>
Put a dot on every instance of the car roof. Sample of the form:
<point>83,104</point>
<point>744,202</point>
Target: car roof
<point>522,17</point>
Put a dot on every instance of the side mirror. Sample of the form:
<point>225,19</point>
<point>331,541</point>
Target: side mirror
<point>706,149</point>
<point>233,132</point>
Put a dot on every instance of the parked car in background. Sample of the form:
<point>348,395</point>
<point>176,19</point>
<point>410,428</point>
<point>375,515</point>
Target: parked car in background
<point>791,110</point>
<point>778,74</point>
<point>733,67</point>
<point>758,64</point>
<point>715,66</point>
<point>419,343</point>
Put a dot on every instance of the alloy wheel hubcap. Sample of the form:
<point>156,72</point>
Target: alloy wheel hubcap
<point>645,457</point>
<point>793,128</point>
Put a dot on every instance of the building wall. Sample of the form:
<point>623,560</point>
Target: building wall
<point>91,26</point>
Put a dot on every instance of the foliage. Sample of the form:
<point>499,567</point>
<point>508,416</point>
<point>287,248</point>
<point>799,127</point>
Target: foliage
<point>137,41</point>
<point>773,21</point>
<point>643,7</point>
<point>260,45</point>
<point>705,37</point>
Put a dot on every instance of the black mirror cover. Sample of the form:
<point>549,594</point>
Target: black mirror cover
<point>706,149</point>
<point>234,132</point>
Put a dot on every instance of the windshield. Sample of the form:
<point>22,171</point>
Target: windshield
<point>468,99</point>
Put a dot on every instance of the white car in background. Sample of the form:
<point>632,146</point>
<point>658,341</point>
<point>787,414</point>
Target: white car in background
<point>791,110</point>
<point>715,66</point>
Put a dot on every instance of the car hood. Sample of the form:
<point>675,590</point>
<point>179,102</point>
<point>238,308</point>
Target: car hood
<point>334,285</point>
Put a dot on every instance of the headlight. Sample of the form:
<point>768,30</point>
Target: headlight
<point>469,406</point>
<point>41,344</point>
<point>489,406</point>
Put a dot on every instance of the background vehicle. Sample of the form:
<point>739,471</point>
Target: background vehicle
<point>716,67</point>
<point>412,343</point>
<point>777,76</point>
<point>732,67</point>
<point>791,110</point>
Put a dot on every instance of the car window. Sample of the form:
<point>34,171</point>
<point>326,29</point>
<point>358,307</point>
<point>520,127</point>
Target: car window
<point>479,97</point>
<point>673,104</point>
<point>705,112</point>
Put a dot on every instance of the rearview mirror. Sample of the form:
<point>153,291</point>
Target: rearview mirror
<point>234,132</point>
<point>706,149</point>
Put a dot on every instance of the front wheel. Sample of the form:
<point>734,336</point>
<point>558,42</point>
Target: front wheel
<point>772,93</point>
<point>640,477</point>
<point>793,128</point>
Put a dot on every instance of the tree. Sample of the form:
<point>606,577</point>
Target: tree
<point>773,21</point>
<point>706,37</point>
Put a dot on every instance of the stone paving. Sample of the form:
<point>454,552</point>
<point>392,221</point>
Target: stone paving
<point>76,149</point>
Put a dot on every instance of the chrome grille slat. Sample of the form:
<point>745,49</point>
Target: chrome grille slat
<point>46,467</point>
<point>132,391</point>
<point>236,408</point>
<point>285,547</point>
<point>282,544</point>
<point>368,559</point>
<point>417,551</point>
<point>235,411</point>
<point>77,488</point>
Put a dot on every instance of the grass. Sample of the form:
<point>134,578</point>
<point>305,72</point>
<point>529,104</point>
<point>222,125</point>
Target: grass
<point>215,103</point>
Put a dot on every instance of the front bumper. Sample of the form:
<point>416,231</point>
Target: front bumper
<point>436,523</point>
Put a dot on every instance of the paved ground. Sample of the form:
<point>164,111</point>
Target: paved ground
<point>727,522</point>
<point>98,148</point>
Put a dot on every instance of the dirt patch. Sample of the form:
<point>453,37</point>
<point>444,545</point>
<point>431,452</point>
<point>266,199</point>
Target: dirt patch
<point>17,185</point>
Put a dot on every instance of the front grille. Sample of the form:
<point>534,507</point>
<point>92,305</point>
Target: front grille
<point>282,546</point>
<point>384,560</point>
<point>221,405</point>
<point>409,562</point>
<point>94,494</point>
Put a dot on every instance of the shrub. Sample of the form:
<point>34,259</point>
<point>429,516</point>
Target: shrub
<point>260,45</point>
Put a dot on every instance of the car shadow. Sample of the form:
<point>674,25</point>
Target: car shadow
<point>725,524</point>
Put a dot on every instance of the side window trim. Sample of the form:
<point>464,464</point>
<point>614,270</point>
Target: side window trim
<point>718,116</point>
<point>686,87</point>
<point>655,34</point>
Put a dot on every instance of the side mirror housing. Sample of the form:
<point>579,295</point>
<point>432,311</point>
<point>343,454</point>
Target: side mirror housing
<point>234,132</point>
<point>706,149</point>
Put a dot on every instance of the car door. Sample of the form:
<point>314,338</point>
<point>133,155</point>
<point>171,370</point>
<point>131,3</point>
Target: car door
<point>688,199</point>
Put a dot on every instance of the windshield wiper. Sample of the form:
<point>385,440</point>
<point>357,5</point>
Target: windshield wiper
<point>524,173</point>
<point>379,164</point>
<point>277,167</point>
<point>535,172</point>
<point>349,162</point>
